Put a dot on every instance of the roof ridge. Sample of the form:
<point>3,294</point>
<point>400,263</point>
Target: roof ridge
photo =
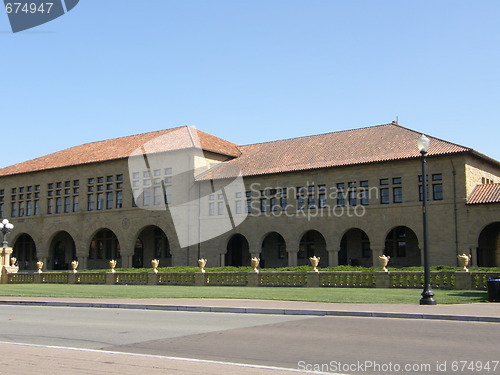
<point>318,135</point>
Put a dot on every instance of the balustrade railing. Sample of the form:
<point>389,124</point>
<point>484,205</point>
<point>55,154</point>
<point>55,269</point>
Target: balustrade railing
<point>399,279</point>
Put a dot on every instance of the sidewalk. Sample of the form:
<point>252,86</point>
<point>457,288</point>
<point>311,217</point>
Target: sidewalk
<point>478,312</point>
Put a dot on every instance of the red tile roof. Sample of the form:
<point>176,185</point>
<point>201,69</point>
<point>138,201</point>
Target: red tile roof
<point>118,148</point>
<point>487,193</point>
<point>352,147</point>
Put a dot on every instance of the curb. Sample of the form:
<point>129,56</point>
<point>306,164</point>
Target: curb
<point>254,310</point>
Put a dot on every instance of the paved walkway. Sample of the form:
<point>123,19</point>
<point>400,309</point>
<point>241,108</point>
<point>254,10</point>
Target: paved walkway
<point>482,312</point>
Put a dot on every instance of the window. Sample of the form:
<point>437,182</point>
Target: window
<point>158,196</point>
<point>146,197</point>
<point>37,207</point>
<point>109,200</point>
<point>340,195</point>
<point>58,205</point>
<point>397,181</point>
<point>274,204</point>
<point>76,200</point>
<point>384,196</point>
<point>437,177</point>
<point>220,208</point>
<point>384,181</point>
<point>248,195</point>
<point>322,199</point>
<point>211,209</point>
<point>437,192</point>
<point>119,199</point>
<point>67,204</point>
<point>50,205</point>
<point>13,212</point>
<point>352,198</point>
<point>397,195</point>
<point>301,191</point>
<point>263,205</point>
<point>238,207</point>
<point>284,199</point>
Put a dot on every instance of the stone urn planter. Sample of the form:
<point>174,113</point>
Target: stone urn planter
<point>112,265</point>
<point>202,263</point>
<point>155,263</point>
<point>13,261</point>
<point>314,262</point>
<point>255,263</point>
<point>39,266</point>
<point>463,260</point>
<point>384,261</point>
<point>74,266</point>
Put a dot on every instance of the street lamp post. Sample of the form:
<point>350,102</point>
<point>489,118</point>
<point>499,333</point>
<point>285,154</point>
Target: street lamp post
<point>427,294</point>
<point>5,228</point>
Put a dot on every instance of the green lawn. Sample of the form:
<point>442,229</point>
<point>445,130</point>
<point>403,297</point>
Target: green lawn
<point>332,295</point>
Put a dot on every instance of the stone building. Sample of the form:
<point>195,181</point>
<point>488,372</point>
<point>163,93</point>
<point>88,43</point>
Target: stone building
<point>181,194</point>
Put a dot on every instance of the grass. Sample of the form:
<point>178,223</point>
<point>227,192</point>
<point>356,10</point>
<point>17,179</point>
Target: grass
<point>331,295</point>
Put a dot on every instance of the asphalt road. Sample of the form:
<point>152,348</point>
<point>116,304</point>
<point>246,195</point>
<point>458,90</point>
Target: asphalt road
<point>127,341</point>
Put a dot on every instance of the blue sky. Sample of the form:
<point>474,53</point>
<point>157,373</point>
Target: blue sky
<point>251,71</point>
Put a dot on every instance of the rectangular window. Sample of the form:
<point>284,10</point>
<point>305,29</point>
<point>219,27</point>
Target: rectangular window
<point>322,200</point>
<point>352,198</point>
<point>384,196</point>
<point>397,194</point>
<point>437,177</point>
<point>437,192</point>
<point>109,200</point>
<point>274,204</point>
<point>220,208</point>
<point>119,199</point>
<point>50,206</point>
<point>364,198</point>
<point>211,209</point>
<point>311,202</point>
<point>384,181</point>
<point>100,201</point>
<point>238,207</point>
<point>58,205</point>
<point>397,181</point>
<point>1,210</point>
<point>21,209</point>
<point>29,208</point>
<point>37,207</point>
<point>158,198</point>
<point>76,200</point>
<point>340,199</point>
<point>146,197</point>
<point>67,204</point>
<point>263,205</point>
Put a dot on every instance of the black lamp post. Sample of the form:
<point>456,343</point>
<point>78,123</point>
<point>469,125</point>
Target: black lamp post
<point>427,294</point>
<point>5,228</point>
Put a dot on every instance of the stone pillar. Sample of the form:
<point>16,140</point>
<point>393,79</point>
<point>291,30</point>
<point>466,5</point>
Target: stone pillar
<point>126,261</point>
<point>333,258</point>
<point>313,279</point>
<point>473,253</point>
<point>463,281</point>
<point>382,280</point>
<point>253,279</point>
<point>152,278</point>
<point>82,262</point>
<point>292,258</point>
<point>376,252</point>
<point>200,279</point>
<point>222,259</point>
<point>45,261</point>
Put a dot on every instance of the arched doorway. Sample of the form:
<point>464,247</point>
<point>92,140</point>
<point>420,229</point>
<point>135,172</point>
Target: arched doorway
<point>311,244</point>
<point>103,247</point>
<point>62,251</point>
<point>355,249</point>
<point>152,243</point>
<point>25,251</point>
<point>273,253</point>
<point>488,251</point>
<point>401,244</point>
<point>238,253</point>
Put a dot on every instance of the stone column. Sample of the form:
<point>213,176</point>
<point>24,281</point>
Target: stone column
<point>473,253</point>
<point>376,252</point>
<point>222,259</point>
<point>126,261</point>
<point>292,258</point>
<point>333,257</point>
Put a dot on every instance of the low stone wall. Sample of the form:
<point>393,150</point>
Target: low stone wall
<point>410,280</point>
